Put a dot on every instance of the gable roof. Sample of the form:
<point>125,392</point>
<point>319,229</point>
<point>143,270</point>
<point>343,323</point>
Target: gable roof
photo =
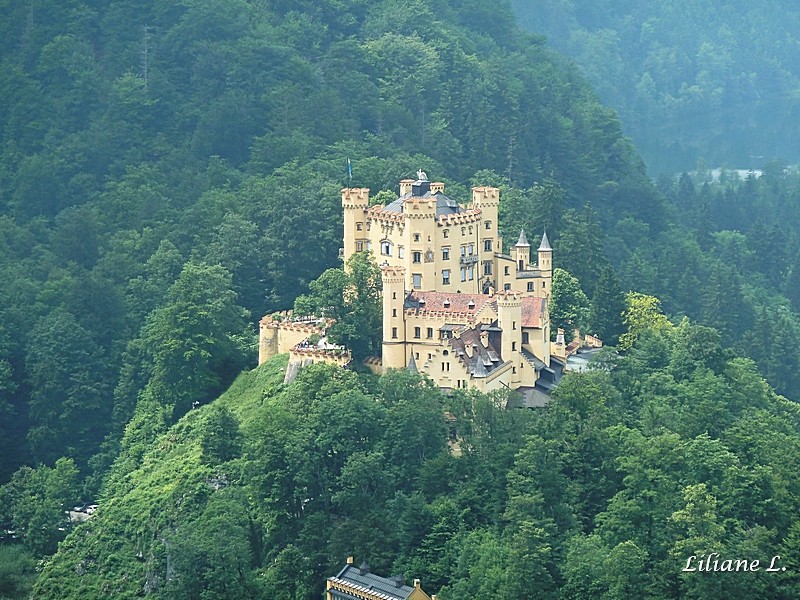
<point>533,312</point>
<point>367,585</point>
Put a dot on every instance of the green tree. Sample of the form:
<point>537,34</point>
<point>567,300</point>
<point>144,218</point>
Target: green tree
<point>222,440</point>
<point>569,306</point>
<point>607,308</point>
<point>642,315</point>
<point>350,296</point>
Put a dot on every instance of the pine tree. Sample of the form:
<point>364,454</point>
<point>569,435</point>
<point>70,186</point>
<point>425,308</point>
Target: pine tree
<point>607,307</point>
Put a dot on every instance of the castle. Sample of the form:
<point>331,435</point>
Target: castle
<point>455,307</point>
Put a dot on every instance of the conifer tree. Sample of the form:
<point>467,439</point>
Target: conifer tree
<point>608,304</point>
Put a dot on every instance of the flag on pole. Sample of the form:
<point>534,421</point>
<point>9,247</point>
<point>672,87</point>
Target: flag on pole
<point>349,171</point>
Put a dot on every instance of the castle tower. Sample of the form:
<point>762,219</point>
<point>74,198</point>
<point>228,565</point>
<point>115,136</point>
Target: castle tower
<point>420,237</point>
<point>546,264</point>
<point>509,319</point>
<point>522,252</point>
<point>354,202</point>
<point>487,200</point>
<point>394,331</point>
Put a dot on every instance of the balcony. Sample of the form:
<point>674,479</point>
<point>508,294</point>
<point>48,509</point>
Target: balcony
<point>469,260</point>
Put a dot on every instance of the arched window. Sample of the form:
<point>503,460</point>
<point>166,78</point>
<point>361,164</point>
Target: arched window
<point>386,248</point>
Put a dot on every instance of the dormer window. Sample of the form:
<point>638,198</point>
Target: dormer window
<point>422,302</point>
<point>471,305</point>
<point>447,303</point>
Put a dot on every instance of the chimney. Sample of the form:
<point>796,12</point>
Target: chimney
<point>485,339</point>
<point>560,337</point>
<point>417,584</point>
<point>437,187</point>
<point>405,186</point>
<point>350,560</point>
<point>468,349</point>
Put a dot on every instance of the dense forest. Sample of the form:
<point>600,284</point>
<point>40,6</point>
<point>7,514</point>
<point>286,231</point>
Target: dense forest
<point>691,79</point>
<point>169,172</point>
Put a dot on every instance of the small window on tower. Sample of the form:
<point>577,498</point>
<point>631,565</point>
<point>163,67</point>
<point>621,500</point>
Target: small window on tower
<point>417,257</point>
<point>359,226</point>
<point>446,253</point>
<point>505,271</point>
<point>401,252</point>
<point>417,332</point>
<point>487,224</point>
<point>487,245</point>
<point>417,280</point>
<point>359,246</point>
<point>394,333</point>
<point>530,286</point>
<point>445,233</point>
<point>416,237</point>
<point>386,248</point>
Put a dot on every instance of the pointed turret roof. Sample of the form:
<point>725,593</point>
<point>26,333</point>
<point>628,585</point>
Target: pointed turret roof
<point>523,241</point>
<point>412,365</point>
<point>545,245</point>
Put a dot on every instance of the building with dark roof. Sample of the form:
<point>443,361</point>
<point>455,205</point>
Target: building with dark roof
<point>358,583</point>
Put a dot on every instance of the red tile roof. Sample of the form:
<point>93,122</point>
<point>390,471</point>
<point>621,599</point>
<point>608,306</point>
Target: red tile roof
<point>434,301</point>
<point>532,312</point>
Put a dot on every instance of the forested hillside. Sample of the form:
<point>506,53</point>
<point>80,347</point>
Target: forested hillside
<point>690,78</point>
<point>169,172</point>
<point>678,450</point>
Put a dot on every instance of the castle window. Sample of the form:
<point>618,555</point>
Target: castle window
<point>359,226</point>
<point>430,332</point>
<point>401,252</point>
<point>463,273</point>
<point>416,237</point>
<point>471,249</point>
<point>463,231</point>
<point>544,284</point>
<point>463,250</point>
<point>505,271</point>
<point>445,353</point>
<point>394,333</point>
<point>471,271</point>
<point>507,286</point>
<point>525,337</point>
<point>514,325</point>
<point>446,253</point>
<point>416,279</point>
<point>445,366</point>
<point>514,370</point>
<point>386,248</point>
<point>446,277</point>
<point>359,246</point>
<point>487,267</point>
<point>487,245</point>
<point>470,229</point>
<point>513,346</point>
<point>416,256</point>
<point>487,224</point>
<point>445,233</point>
<point>417,333</point>
<point>530,286</point>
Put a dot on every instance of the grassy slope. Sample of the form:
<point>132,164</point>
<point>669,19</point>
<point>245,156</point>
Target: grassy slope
<point>102,556</point>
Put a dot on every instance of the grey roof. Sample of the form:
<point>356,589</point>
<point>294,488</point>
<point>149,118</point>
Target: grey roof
<point>379,586</point>
<point>412,364</point>
<point>523,241</point>
<point>444,204</point>
<point>545,245</point>
<point>528,397</point>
